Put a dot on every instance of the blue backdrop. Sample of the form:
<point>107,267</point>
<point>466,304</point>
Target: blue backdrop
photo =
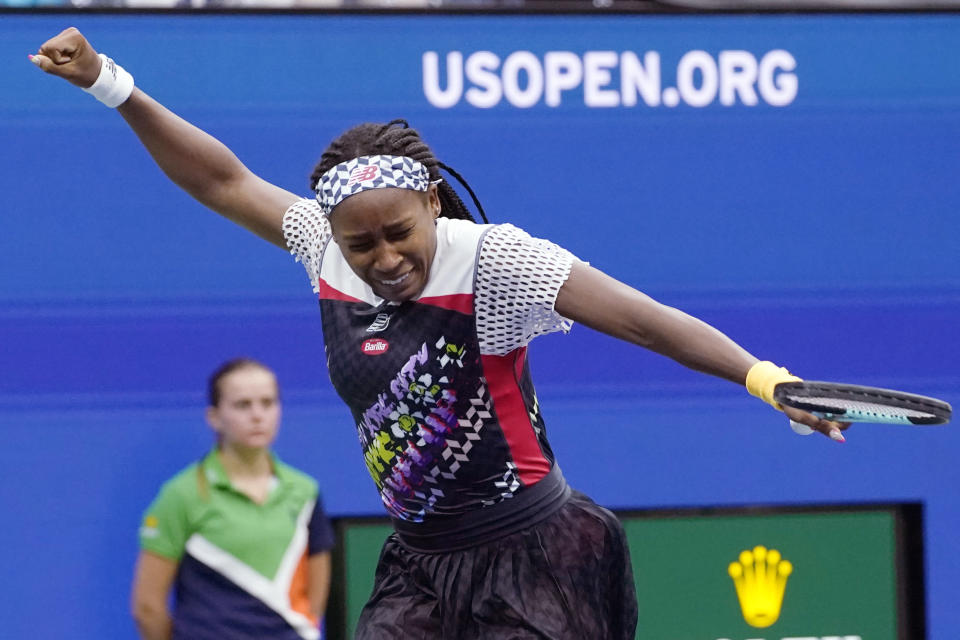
<point>790,179</point>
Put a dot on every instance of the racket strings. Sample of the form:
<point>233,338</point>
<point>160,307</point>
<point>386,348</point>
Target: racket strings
<point>864,408</point>
<point>857,403</point>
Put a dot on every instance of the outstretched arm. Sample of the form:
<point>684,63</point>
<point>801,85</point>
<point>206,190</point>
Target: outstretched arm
<point>196,161</point>
<point>600,302</point>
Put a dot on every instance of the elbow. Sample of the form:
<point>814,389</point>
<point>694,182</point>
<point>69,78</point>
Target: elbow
<point>145,612</point>
<point>636,332</point>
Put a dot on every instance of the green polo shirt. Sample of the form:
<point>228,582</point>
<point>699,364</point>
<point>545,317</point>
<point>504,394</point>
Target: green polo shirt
<point>231,549</point>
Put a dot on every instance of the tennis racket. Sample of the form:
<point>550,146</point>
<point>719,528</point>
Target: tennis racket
<point>856,403</point>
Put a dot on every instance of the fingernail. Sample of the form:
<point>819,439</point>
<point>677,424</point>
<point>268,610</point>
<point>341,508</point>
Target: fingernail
<point>836,435</point>
<point>34,59</point>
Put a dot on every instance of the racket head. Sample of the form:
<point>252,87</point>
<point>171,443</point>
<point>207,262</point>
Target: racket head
<point>858,403</point>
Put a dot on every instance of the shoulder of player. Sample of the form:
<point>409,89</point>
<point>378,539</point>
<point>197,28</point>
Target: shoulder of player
<point>304,219</point>
<point>182,486</point>
<point>456,231</point>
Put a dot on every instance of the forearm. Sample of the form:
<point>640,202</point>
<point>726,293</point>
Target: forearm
<point>596,300</point>
<point>319,583</point>
<point>694,344</point>
<point>206,169</point>
<point>154,624</point>
<point>152,581</point>
<point>196,161</point>
<point>193,159</point>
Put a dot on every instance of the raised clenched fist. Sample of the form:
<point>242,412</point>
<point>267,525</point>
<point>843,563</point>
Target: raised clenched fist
<point>70,56</point>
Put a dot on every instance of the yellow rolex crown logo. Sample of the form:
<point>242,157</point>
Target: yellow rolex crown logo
<point>760,577</point>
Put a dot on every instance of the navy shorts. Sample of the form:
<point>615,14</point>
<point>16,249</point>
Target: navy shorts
<point>565,578</point>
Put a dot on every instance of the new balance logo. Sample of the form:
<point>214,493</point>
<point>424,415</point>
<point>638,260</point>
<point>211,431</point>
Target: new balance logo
<point>363,174</point>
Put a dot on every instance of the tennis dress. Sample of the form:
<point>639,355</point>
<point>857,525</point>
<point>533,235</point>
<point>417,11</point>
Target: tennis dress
<point>451,432</point>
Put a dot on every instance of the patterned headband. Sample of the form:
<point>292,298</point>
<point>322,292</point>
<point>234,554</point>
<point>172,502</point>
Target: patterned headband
<point>369,172</point>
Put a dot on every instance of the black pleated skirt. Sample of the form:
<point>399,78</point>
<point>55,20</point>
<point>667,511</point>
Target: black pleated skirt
<point>566,578</point>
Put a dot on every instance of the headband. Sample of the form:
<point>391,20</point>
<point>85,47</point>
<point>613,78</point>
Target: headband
<point>369,172</point>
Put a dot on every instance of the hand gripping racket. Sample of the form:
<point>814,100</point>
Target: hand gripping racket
<point>856,403</point>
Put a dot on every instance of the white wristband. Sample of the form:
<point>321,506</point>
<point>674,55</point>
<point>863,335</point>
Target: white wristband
<point>114,84</point>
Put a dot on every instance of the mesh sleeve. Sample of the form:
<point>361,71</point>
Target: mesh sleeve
<point>307,232</point>
<point>518,278</point>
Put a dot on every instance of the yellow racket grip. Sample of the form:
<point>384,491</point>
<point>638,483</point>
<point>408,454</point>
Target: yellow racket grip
<point>763,377</point>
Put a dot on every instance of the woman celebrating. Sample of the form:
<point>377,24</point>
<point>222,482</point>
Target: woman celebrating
<point>426,319</point>
<point>241,537</point>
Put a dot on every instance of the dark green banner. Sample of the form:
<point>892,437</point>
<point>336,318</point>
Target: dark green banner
<point>830,573</point>
<point>817,575</point>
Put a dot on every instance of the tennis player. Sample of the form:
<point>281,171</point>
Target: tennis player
<point>426,319</point>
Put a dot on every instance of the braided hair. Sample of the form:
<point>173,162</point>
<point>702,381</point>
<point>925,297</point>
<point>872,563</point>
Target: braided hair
<point>396,138</point>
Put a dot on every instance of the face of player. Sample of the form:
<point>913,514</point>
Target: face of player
<point>388,237</point>
<point>248,415</point>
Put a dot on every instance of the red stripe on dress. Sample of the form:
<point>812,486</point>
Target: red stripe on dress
<point>500,372</point>
<point>329,293</point>
<point>462,302</point>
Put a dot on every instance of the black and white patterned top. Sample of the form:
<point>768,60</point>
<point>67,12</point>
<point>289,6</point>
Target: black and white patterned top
<point>440,386</point>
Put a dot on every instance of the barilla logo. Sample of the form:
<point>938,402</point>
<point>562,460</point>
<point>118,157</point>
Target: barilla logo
<point>374,346</point>
<point>364,174</point>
